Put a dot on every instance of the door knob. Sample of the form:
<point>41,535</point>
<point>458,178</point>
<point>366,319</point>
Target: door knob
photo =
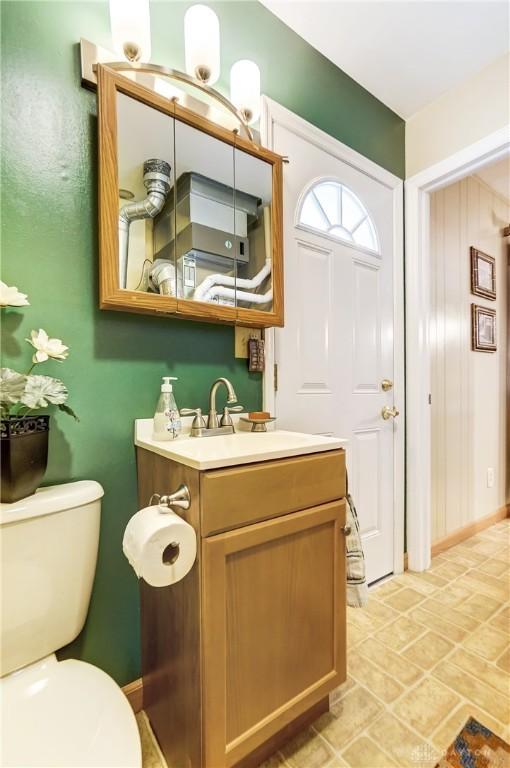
<point>388,413</point>
<point>386,385</point>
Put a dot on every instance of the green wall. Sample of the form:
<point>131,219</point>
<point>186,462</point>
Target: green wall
<point>49,250</point>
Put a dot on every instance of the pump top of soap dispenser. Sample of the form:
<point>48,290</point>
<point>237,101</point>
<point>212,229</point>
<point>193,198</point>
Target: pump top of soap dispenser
<point>166,386</point>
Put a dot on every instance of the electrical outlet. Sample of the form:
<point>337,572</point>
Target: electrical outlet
<point>490,477</point>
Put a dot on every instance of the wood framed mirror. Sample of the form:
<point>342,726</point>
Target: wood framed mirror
<point>190,213</point>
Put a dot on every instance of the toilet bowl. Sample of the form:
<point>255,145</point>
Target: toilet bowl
<point>55,713</point>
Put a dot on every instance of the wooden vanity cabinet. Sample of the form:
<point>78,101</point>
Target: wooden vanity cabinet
<point>244,651</point>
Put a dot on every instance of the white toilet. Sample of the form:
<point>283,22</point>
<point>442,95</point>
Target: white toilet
<point>55,713</point>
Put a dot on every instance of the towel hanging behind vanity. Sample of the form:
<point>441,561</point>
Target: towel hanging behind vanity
<point>357,589</point>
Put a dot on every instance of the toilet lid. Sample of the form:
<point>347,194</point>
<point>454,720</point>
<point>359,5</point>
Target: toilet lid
<point>66,713</point>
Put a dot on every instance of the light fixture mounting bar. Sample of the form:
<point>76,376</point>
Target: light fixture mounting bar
<point>91,55</point>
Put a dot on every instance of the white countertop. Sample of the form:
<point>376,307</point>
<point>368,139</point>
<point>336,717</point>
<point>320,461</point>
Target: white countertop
<point>231,450</point>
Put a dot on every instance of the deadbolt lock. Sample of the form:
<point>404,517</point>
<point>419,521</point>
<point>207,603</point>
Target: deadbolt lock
<point>386,385</point>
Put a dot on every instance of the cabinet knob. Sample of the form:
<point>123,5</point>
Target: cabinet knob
<point>346,529</point>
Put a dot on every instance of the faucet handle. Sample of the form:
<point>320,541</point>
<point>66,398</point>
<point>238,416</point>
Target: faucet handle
<point>226,419</point>
<point>198,421</point>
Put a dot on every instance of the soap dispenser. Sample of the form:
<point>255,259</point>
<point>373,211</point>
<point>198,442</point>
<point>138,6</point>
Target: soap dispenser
<point>167,422</point>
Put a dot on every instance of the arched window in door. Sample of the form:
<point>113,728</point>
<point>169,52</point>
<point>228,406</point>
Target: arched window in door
<point>332,209</point>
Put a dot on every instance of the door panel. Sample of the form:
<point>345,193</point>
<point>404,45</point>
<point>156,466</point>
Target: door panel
<point>366,329</point>
<point>314,268</point>
<point>274,613</point>
<point>366,447</point>
<point>337,343</point>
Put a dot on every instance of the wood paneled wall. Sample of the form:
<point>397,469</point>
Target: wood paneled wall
<point>468,388</point>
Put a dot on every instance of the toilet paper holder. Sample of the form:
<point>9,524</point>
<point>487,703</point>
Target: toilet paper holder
<point>181,498</point>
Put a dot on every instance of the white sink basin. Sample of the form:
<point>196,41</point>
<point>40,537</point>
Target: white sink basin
<point>231,450</point>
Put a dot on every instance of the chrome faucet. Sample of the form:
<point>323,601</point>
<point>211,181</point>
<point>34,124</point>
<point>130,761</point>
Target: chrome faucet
<point>215,426</point>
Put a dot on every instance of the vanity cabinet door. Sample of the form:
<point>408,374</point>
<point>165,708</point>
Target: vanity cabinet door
<point>273,627</point>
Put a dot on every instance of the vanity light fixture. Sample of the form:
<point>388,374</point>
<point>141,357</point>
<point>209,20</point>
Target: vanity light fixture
<point>202,43</point>
<point>245,89</point>
<point>166,88</point>
<point>131,36</point>
<point>130,24</point>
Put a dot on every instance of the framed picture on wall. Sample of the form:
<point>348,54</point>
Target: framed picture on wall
<point>483,274</point>
<point>483,328</point>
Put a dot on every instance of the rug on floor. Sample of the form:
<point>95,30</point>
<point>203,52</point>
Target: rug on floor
<point>476,746</point>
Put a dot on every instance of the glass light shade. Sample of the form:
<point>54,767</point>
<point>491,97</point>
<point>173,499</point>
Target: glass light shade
<point>245,89</point>
<point>202,43</point>
<point>130,24</point>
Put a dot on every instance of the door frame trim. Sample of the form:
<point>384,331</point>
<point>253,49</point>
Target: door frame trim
<point>273,113</point>
<point>418,312</point>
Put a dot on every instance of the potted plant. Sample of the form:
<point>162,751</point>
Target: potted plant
<point>23,429</point>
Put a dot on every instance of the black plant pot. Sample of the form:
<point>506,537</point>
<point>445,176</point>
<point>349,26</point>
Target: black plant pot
<point>23,455</point>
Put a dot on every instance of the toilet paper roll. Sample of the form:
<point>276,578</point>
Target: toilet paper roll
<point>161,547</point>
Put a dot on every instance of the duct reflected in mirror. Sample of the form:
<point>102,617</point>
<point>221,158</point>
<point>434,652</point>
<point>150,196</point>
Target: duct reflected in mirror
<point>145,155</point>
<point>199,222</point>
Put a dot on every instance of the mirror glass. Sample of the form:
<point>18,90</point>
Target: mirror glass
<point>194,212</point>
<point>253,200</point>
<point>206,221</point>
<point>146,164</point>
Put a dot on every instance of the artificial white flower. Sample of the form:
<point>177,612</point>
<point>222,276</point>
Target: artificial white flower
<point>41,391</point>
<point>12,386</point>
<point>46,347</point>
<point>11,297</point>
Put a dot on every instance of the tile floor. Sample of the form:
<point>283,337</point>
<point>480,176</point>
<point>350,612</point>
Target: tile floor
<point>430,650</point>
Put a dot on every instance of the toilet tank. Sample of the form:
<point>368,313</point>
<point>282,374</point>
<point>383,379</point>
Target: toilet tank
<point>49,545</point>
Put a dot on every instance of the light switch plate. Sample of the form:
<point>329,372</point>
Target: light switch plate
<point>242,337</point>
<point>490,477</point>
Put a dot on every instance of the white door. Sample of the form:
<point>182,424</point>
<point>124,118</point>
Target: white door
<point>337,345</point>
